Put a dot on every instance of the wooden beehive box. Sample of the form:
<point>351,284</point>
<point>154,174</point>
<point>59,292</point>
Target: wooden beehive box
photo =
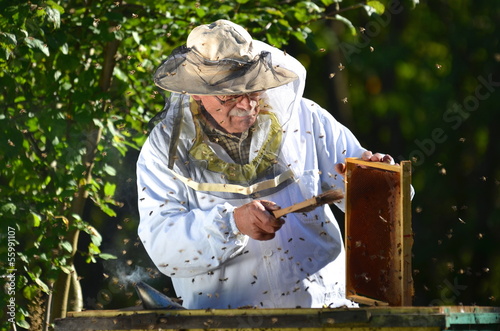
<point>378,234</point>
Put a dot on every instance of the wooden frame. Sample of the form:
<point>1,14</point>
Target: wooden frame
<point>378,234</point>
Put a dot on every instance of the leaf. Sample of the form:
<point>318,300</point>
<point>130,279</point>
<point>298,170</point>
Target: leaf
<point>53,16</point>
<point>106,256</point>
<point>64,219</point>
<point>66,270</point>
<point>23,323</point>
<point>30,292</point>
<point>8,38</point>
<point>107,210</point>
<point>64,48</point>
<point>376,7</point>
<point>93,249</point>
<point>109,170</point>
<point>329,2</point>
<point>67,246</point>
<point>136,37</point>
<point>42,285</point>
<point>35,219</point>
<point>55,6</point>
<point>347,22</point>
<point>8,208</point>
<point>109,189</point>
<point>32,42</point>
<point>120,74</point>
<point>95,236</point>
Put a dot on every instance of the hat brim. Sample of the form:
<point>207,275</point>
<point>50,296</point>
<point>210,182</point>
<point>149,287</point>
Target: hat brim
<point>187,72</point>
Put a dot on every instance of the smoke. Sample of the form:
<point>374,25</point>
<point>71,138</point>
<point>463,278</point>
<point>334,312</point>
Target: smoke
<point>126,274</point>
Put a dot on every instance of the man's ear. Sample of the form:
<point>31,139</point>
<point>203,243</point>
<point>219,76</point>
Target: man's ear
<point>196,97</point>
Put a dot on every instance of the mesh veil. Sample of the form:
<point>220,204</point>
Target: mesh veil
<point>176,133</point>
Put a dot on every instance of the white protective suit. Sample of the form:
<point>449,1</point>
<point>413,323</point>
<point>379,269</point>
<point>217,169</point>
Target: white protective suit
<point>186,210</point>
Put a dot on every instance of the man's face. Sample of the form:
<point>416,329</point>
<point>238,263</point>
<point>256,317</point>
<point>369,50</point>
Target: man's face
<point>234,113</point>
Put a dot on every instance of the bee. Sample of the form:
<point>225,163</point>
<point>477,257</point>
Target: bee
<point>341,67</point>
<point>331,75</point>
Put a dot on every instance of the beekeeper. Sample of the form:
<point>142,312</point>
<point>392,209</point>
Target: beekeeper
<point>235,141</point>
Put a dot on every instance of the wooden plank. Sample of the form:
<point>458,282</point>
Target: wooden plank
<point>407,289</point>
<point>366,301</point>
<point>375,165</point>
<point>382,318</point>
<point>218,319</point>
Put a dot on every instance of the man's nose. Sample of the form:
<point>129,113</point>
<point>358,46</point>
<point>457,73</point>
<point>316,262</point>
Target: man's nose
<point>245,102</point>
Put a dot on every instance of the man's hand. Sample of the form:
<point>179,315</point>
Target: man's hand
<point>377,157</point>
<point>256,221</point>
<point>367,156</point>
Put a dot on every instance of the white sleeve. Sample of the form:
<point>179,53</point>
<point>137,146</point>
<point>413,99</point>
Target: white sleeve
<point>181,239</point>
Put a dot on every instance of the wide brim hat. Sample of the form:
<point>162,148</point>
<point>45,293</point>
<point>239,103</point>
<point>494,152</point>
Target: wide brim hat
<point>220,59</point>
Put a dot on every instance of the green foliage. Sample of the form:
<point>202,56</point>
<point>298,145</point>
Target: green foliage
<point>76,94</point>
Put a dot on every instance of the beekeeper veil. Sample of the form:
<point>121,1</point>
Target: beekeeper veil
<point>222,59</point>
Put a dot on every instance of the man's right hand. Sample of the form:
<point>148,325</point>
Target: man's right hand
<point>256,220</point>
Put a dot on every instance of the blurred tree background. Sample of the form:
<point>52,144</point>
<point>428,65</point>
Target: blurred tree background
<point>420,81</point>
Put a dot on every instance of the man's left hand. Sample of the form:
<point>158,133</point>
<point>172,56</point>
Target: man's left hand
<point>367,156</point>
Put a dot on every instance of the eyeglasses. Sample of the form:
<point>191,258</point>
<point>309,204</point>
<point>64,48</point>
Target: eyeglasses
<point>233,99</point>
